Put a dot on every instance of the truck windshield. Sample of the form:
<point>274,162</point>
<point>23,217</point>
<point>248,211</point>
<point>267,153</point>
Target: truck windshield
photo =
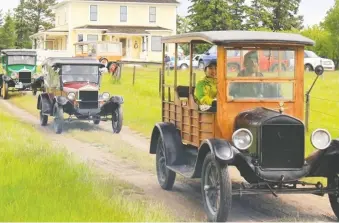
<point>21,59</point>
<point>270,64</point>
<point>80,73</point>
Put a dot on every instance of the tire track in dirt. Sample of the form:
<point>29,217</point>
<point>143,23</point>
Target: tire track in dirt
<point>185,199</point>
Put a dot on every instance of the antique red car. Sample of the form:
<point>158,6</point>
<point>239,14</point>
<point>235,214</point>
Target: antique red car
<point>72,87</point>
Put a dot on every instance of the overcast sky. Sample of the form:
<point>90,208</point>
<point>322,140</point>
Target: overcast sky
<point>313,10</point>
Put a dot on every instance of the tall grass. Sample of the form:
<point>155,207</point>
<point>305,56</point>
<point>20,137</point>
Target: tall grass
<point>39,184</point>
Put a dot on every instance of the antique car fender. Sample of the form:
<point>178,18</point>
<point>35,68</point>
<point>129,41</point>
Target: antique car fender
<point>117,99</point>
<point>171,140</point>
<point>324,162</point>
<point>111,104</point>
<point>223,151</point>
<point>5,78</point>
<point>61,100</point>
<point>46,104</point>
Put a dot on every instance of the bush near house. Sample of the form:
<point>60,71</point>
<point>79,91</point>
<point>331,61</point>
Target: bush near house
<point>38,184</point>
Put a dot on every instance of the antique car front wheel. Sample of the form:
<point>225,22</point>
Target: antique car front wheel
<point>333,182</point>
<point>4,90</point>
<point>216,189</point>
<point>117,118</point>
<point>58,118</point>
<point>166,177</point>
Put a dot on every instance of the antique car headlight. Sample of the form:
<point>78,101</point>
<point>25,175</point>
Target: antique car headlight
<point>242,139</point>
<point>320,139</point>
<point>35,76</point>
<point>14,75</point>
<point>105,96</point>
<point>71,96</point>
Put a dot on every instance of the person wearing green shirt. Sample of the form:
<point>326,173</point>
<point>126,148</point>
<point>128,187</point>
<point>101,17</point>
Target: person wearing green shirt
<point>206,89</point>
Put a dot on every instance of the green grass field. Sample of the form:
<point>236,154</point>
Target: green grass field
<point>39,184</point>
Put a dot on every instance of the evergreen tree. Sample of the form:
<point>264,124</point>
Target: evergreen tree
<point>7,35</point>
<point>40,14</point>
<point>237,11</point>
<point>285,15</point>
<point>258,15</point>
<point>23,29</point>
<point>206,15</point>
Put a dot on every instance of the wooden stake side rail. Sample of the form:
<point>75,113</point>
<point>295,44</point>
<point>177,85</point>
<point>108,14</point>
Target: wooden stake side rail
<point>194,126</point>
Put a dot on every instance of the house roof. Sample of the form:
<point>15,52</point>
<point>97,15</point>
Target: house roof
<point>139,1</point>
<point>125,29</point>
<point>241,37</point>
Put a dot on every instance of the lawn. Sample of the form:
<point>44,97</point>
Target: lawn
<point>142,101</point>
<point>39,184</point>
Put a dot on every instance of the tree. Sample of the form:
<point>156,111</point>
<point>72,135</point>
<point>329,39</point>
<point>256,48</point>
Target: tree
<point>237,11</point>
<point>183,26</point>
<point>206,15</point>
<point>331,24</point>
<point>23,29</point>
<point>40,14</point>
<point>7,35</point>
<point>258,15</point>
<point>284,15</point>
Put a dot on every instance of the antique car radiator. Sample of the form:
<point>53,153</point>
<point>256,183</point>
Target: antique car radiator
<point>282,145</point>
<point>25,77</point>
<point>89,99</point>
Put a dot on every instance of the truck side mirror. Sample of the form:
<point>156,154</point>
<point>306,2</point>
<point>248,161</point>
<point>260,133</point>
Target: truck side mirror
<point>319,70</point>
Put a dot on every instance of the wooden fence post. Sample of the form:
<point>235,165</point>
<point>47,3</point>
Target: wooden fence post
<point>160,81</point>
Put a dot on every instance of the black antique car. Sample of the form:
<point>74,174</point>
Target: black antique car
<point>72,87</point>
<point>253,121</point>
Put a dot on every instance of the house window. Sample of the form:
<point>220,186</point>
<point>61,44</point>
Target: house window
<point>123,13</point>
<point>91,37</point>
<point>93,12</point>
<point>80,37</point>
<point>152,14</point>
<point>156,43</point>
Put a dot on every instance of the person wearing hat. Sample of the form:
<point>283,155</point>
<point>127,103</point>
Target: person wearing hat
<point>251,64</point>
<point>206,89</point>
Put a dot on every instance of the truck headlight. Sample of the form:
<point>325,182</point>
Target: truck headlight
<point>71,96</point>
<point>105,96</point>
<point>14,75</point>
<point>242,139</point>
<point>320,139</point>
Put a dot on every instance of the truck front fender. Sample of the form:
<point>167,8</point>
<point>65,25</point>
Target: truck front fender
<point>221,150</point>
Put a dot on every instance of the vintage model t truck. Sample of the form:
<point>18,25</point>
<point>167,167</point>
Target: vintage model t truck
<point>20,74</point>
<point>255,124</point>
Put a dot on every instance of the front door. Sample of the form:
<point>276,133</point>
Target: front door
<point>123,42</point>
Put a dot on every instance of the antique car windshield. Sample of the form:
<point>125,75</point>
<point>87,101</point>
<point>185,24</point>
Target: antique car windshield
<point>21,59</point>
<point>80,73</point>
<point>273,68</point>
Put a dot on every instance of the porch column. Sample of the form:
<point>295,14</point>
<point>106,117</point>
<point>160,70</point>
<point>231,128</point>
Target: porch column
<point>45,37</point>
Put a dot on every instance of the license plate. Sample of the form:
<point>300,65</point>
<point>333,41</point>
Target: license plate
<point>18,85</point>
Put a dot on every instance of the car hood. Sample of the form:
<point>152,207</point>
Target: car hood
<point>68,87</point>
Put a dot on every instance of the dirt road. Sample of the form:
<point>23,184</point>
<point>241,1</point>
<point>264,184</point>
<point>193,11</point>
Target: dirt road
<point>184,200</point>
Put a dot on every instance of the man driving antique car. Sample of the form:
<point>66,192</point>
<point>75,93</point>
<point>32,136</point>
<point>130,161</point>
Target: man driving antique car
<point>256,90</point>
